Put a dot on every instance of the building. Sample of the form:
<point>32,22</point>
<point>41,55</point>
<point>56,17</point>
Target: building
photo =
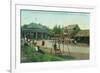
<point>71,30</point>
<point>34,31</point>
<point>82,36</point>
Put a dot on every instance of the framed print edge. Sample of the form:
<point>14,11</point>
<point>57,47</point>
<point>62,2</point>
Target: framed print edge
<point>16,66</point>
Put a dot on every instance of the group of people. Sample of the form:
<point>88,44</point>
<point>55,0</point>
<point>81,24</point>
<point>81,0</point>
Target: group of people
<point>34,43</point>
<point>37,47</point>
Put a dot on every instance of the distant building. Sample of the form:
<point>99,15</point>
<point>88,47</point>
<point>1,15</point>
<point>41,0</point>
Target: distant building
<point>82,36</point>
<point>34,31</point>
<point>71,30</point>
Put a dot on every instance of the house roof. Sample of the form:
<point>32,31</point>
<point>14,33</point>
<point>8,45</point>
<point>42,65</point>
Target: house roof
<point>71,26</point>
<point>82,33</point>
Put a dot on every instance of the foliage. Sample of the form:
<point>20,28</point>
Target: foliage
<point>58,29</point>
<point>34,56</point>
<point>31,55</point>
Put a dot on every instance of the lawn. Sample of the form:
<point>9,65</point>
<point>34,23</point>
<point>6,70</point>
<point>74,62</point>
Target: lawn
<point>29,54</point>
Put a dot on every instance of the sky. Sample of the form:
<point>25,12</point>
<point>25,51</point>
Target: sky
<point>52,18</point>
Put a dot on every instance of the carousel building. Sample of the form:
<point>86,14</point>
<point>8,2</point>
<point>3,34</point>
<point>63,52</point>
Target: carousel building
<point>34,31</point>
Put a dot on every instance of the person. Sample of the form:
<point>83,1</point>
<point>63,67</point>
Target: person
<point>36,48</point>
<point>74,41</point>
<point>55,46</point>
<point>57,50</point>
<point>43,43</point>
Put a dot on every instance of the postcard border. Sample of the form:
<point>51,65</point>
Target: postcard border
<point>15,27</point>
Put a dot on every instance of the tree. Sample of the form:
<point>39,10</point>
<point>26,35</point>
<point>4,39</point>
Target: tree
<point>25,26</point>
<point>55,29</point>
<point>58,32</point>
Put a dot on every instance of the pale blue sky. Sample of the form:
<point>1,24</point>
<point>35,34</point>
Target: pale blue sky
<point>50,18</point>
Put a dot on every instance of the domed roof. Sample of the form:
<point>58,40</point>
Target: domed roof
<point>35,27</point>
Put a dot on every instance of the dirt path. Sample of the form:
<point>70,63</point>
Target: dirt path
<point>78,51</point>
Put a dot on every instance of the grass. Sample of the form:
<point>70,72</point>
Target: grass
<point>31,55</point>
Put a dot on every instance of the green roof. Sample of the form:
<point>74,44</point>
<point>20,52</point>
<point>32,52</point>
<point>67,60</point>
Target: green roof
<point>34,27</point>
<point>82,33</point>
